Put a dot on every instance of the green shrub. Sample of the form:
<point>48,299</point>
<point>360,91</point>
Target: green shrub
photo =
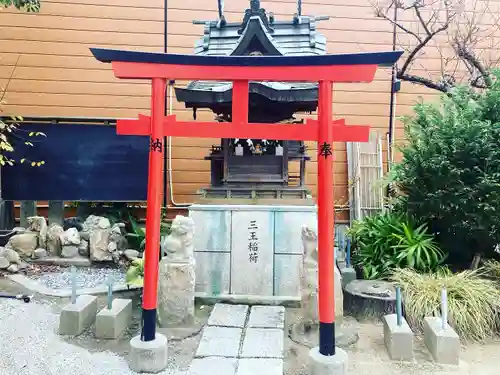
<point>387,241</point>
<point>473,302</point>
<point>450,170</point>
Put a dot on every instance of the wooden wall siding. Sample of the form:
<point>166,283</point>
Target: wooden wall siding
<point>47,60</point>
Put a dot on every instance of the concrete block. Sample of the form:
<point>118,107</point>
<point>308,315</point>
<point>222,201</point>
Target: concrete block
<point>267,317</point>
<point>254,228</point>
<point>348,275</point>
<point>219,342</point>
<point>213,270</point>
<point>213,365</point>
<point>263,343</point>
<point>225,315</point>
<point>111,323</point>
<point>76,318</point>
<point>443,344</point>
<point>260,366</point>
<point>319,364</point>
<point>148,356</point>
<point>398,339</point>
<point>288,229</point>
<point>287,269</point>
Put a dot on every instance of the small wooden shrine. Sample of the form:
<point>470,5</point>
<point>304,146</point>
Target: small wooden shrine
<point>257,168</point>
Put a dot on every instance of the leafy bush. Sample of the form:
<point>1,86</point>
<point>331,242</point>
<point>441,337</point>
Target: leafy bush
<point>135,273</point>
<point>450,170</point>
<point>473,302</point>
<point>387,241</point>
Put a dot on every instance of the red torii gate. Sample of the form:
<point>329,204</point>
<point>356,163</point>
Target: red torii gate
<point>326,69</point>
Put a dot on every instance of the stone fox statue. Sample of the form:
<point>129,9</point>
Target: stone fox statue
<point>309,281</point>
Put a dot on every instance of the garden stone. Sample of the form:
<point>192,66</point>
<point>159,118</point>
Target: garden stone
<point>13,268</point>
<point>24,243</point>
<point>83,248</point>
<point>99,241</point>
<point>72,222</point>
<point>177,275</point>
<point>40,253</point>
<point>11,256</point>
<point>38,224</point>
<point>70,251</point>
<point>54,246</point>
<point>70,237</point>
<point>4,263</point>
<point>131,254</point>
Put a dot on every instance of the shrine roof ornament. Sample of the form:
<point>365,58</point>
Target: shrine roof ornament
<point>364,58</point>
<point>295,36</point>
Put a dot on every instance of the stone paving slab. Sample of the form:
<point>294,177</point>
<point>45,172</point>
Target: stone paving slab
<point>260,366</point>
<point>213,366</point>
<point>219,341</point>
<point>267,317</point>
<point>225,315</point>
<point>263,343</point>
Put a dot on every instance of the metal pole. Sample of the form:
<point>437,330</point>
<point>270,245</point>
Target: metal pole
<point>110,294</point>
<point>326,257</point>
<point>444,308</point>
<point>153,212</point>
<point>348,253</point>
<point>73,284</point>
<point>399,306</point>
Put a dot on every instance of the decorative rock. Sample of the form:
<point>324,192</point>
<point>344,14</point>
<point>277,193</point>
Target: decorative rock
<point>73,222</point>
<point>13,268</point>
<point>70,237</point>
<point>11,256</point>
<point>309,281</point>
<point>70,251</point>
<point>40,253</point>
<point>112,247</point>
<point>4,263</point>
<point>99,240</point>
<point>131,254</point>
<point>38,224</point>
<point>24,243</point>
<point>177,275</point>
<point>83,248</point>
<point>54,246</point>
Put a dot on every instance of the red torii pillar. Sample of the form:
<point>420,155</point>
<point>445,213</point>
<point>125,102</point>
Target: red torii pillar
<point>158,67</point>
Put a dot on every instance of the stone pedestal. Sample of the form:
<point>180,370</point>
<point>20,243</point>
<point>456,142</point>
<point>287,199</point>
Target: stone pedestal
<point>319,364</point>
<point>398,339</point>
<point>111,323</point>
<point>443,344</point>
<point>148,356</point>
<point>77,317</point>
<point>176,293</point>
<point>177,276</point>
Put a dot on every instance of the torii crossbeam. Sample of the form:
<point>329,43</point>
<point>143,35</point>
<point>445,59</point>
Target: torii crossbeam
<point>326,69</point>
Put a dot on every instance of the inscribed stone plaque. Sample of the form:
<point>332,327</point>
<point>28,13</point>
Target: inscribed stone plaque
<point>212,229</point>
<point>212,273</point>
<point>252,253</point>
<point>288,225</point>
<point>287,275</point>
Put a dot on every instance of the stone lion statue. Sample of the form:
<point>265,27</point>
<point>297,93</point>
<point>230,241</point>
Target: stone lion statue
<point>178,246</point>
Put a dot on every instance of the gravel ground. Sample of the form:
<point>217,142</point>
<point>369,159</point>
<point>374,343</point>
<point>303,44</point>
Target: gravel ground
<point>30,346</point>
<point>85,277</point>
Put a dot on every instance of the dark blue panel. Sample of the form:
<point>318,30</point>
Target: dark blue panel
<point>82,162</point>
<point>368,58</point>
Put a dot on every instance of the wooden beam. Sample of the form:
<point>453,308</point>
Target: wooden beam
<point>202,129</point>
